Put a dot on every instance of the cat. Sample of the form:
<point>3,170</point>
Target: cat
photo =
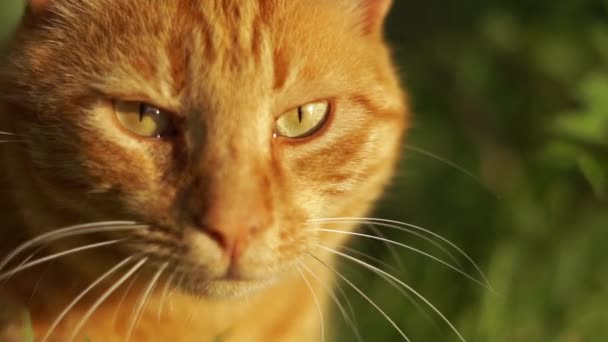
<point>169,165</point>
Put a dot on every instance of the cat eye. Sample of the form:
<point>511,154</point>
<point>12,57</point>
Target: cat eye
<point>143,119</point>
<point>303,121</point>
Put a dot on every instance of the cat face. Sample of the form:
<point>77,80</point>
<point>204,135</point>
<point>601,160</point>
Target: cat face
<point>222,126</point>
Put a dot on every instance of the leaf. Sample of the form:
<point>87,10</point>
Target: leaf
<point>596,174</point>
<point>591,123</point>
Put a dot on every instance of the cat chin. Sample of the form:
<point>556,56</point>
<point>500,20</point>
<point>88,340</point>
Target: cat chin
<point>228,289</point>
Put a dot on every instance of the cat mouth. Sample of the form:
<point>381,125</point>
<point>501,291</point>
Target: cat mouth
<point>225,287</point>
<point>231,283</point>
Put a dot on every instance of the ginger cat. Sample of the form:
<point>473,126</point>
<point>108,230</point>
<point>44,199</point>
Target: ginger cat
<point>167,162</point>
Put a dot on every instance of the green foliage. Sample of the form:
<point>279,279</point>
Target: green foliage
<point>517,92</point>
<point>10,10</point>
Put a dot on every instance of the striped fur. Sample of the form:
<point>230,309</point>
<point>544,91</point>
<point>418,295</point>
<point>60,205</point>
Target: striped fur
<point>227,69</point>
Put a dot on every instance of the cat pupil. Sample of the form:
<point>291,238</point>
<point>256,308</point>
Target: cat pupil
<point>300,114</point>
<point>142,111</point>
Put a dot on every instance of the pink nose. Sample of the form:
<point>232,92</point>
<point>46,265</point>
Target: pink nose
<point>233,241</point>
<point>235,213</point>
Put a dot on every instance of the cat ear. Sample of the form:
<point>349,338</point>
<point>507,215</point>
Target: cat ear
<point>36,12</point>
<point>35,8</point>
<point>374,12</point>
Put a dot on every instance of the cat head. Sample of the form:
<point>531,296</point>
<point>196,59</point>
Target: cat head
<point>222,126</point>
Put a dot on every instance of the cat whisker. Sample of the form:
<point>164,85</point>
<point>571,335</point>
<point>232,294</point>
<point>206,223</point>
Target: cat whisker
<point>362,294</point>
<point>28,265</point>
<point>336,300</point>
<point>349,305</point>
<point>403,229</point>
<point>391,248</point>
<point>409,297</point>
<point>123,297</point>
<point>388,280</point>
<point>371,258</point>
<point>317,303</point>
<point>144,299</point>
<point>9,133</point>
<point>408,228</point>
<point>104,297</point>
<point>446,161</point>
<point>163,297</point>
<point>28,258</point>
<point>432,257</point>
<point>404,285</point>
<point>71,231</point>
<point>39,281</point>
<point>31,256</point>
<point>179,284</point>
<point>386,266</point>
<point>85,292</point>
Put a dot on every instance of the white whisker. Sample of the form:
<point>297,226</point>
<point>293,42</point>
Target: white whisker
<point>143,300</point>
<point>446,162</point>
<point>29,265</point>
<point>123,297</point>
<point>389,246</point>
<point>371,258</point>
<point>409,297</point>
<point>349,305</point>
<point>413,231</point>
<point>432,257</point>
<point>402,226</point>
<point>163,297</point>
<point>104,297</point>
<point>388,280</point>
<point>71,231</point>
<point>405,229</point>
<point>407,287</point>
<point>336,300</point>
<point>28,258</point>
<point>318,304</point>
<point>39,281</point>
<point>82,294</point>
<point>369,300</point>
<point>179,284</point>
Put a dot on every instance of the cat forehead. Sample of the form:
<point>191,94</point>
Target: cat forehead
<point>176,45</point>
<point>224,23</point>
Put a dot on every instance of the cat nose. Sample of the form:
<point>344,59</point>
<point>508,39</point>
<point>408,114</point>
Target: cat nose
<point>234,227</point>
<point>233,241</point>
<point>237,206</point>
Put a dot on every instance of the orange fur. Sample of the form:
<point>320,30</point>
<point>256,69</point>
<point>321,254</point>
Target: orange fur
<point>226,202</point>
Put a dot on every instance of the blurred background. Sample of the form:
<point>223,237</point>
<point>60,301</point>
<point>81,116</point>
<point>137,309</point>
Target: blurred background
<point>515,92</point>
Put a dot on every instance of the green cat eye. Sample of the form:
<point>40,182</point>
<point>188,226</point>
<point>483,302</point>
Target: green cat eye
<point>142,119</point>
<point>303,121</point>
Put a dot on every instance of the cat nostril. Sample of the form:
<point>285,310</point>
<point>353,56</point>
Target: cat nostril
<point>218,237</point>
<point>233,242</point>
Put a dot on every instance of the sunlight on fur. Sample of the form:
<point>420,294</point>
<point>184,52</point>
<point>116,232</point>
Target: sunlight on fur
<point>185,170</point>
